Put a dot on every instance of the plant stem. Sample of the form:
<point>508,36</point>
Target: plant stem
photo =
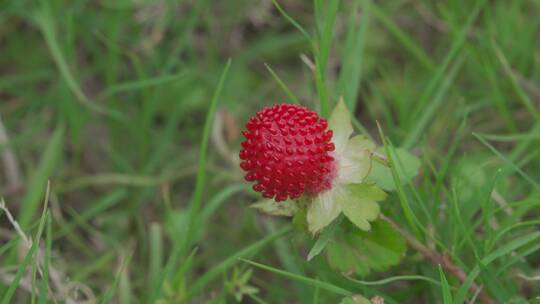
<point>440,259</point>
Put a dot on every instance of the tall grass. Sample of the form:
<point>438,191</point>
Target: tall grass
<point>114,103</point>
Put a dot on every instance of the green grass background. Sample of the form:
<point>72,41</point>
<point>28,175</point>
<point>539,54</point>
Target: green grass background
<point>133,110</point>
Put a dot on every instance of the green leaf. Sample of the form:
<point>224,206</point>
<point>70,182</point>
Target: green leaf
<point>509,247</point>
<point>447,295</point>
<point>355,161</point>
<point>323,239</point>
<point>354,54</point>
<point>360,205</point>
<point>470,174</point>
<point>361,251</point>
<point>340,124</point>
<point>407,166</point>
<point>283,86</point>
<point>343,256</point>
<point>370,191</point>
<point>48,165</point>
<point>357,201</point>
<point>248,251</point>
<point>271,207</point>
<point>356,299</point>
<point>303,279</point>
<point>324,209</point>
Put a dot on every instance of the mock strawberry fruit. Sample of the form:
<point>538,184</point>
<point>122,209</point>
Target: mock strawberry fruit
<point>288,152</point>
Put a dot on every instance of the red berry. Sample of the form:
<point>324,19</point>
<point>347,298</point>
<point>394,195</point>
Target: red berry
<point>287,152</point>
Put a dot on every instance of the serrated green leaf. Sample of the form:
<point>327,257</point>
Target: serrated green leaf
<point>340,124</point>
<point>359,200</point>
<point>343,258</point>
<point>360,205</point>
<point>361,212</point>
<point>362,251</point>
<point>271,207</point>
<point>356,299</point>
<point>407,166</point>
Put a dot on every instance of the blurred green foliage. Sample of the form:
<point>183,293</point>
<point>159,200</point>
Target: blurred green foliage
<point>108,100</point>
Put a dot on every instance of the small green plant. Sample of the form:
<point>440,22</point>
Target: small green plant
<point>328,181</point>
<point>238,285</point>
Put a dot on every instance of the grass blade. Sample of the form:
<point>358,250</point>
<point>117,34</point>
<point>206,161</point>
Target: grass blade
<point>507,161</point>
<point>447,294</point>
<point>213,205</point>
<point>431,109</point>
<point>396,279</point>
<point>523,97</point>
<point>6,299</point>
<point>410,45</point>
<point>504,250</point>
<point>37,261</point>
<point>44,286</point>
<point>315,283</point>
<point>293,22</point>
<point>8,295</point>
<point>195,201</point>
<point>325,40</point>
<point>45,20</point>
<point>220,268</point>
<point>109,294</point>
<point>282,85</point>
<point>404,201</point>
<point>142,84</point>
<point>322,54</point>
<point>38,182</point>
<point>351,74</point>
<point>99,206</point>
<point>324,238</point>
<point>454,51</point>
<point>155,267</point>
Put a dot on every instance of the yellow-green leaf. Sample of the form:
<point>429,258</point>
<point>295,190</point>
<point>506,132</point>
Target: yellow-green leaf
<point>340,124</point>
<point>355,161</point>
<point>324,209</point>
<point>360,204</point>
